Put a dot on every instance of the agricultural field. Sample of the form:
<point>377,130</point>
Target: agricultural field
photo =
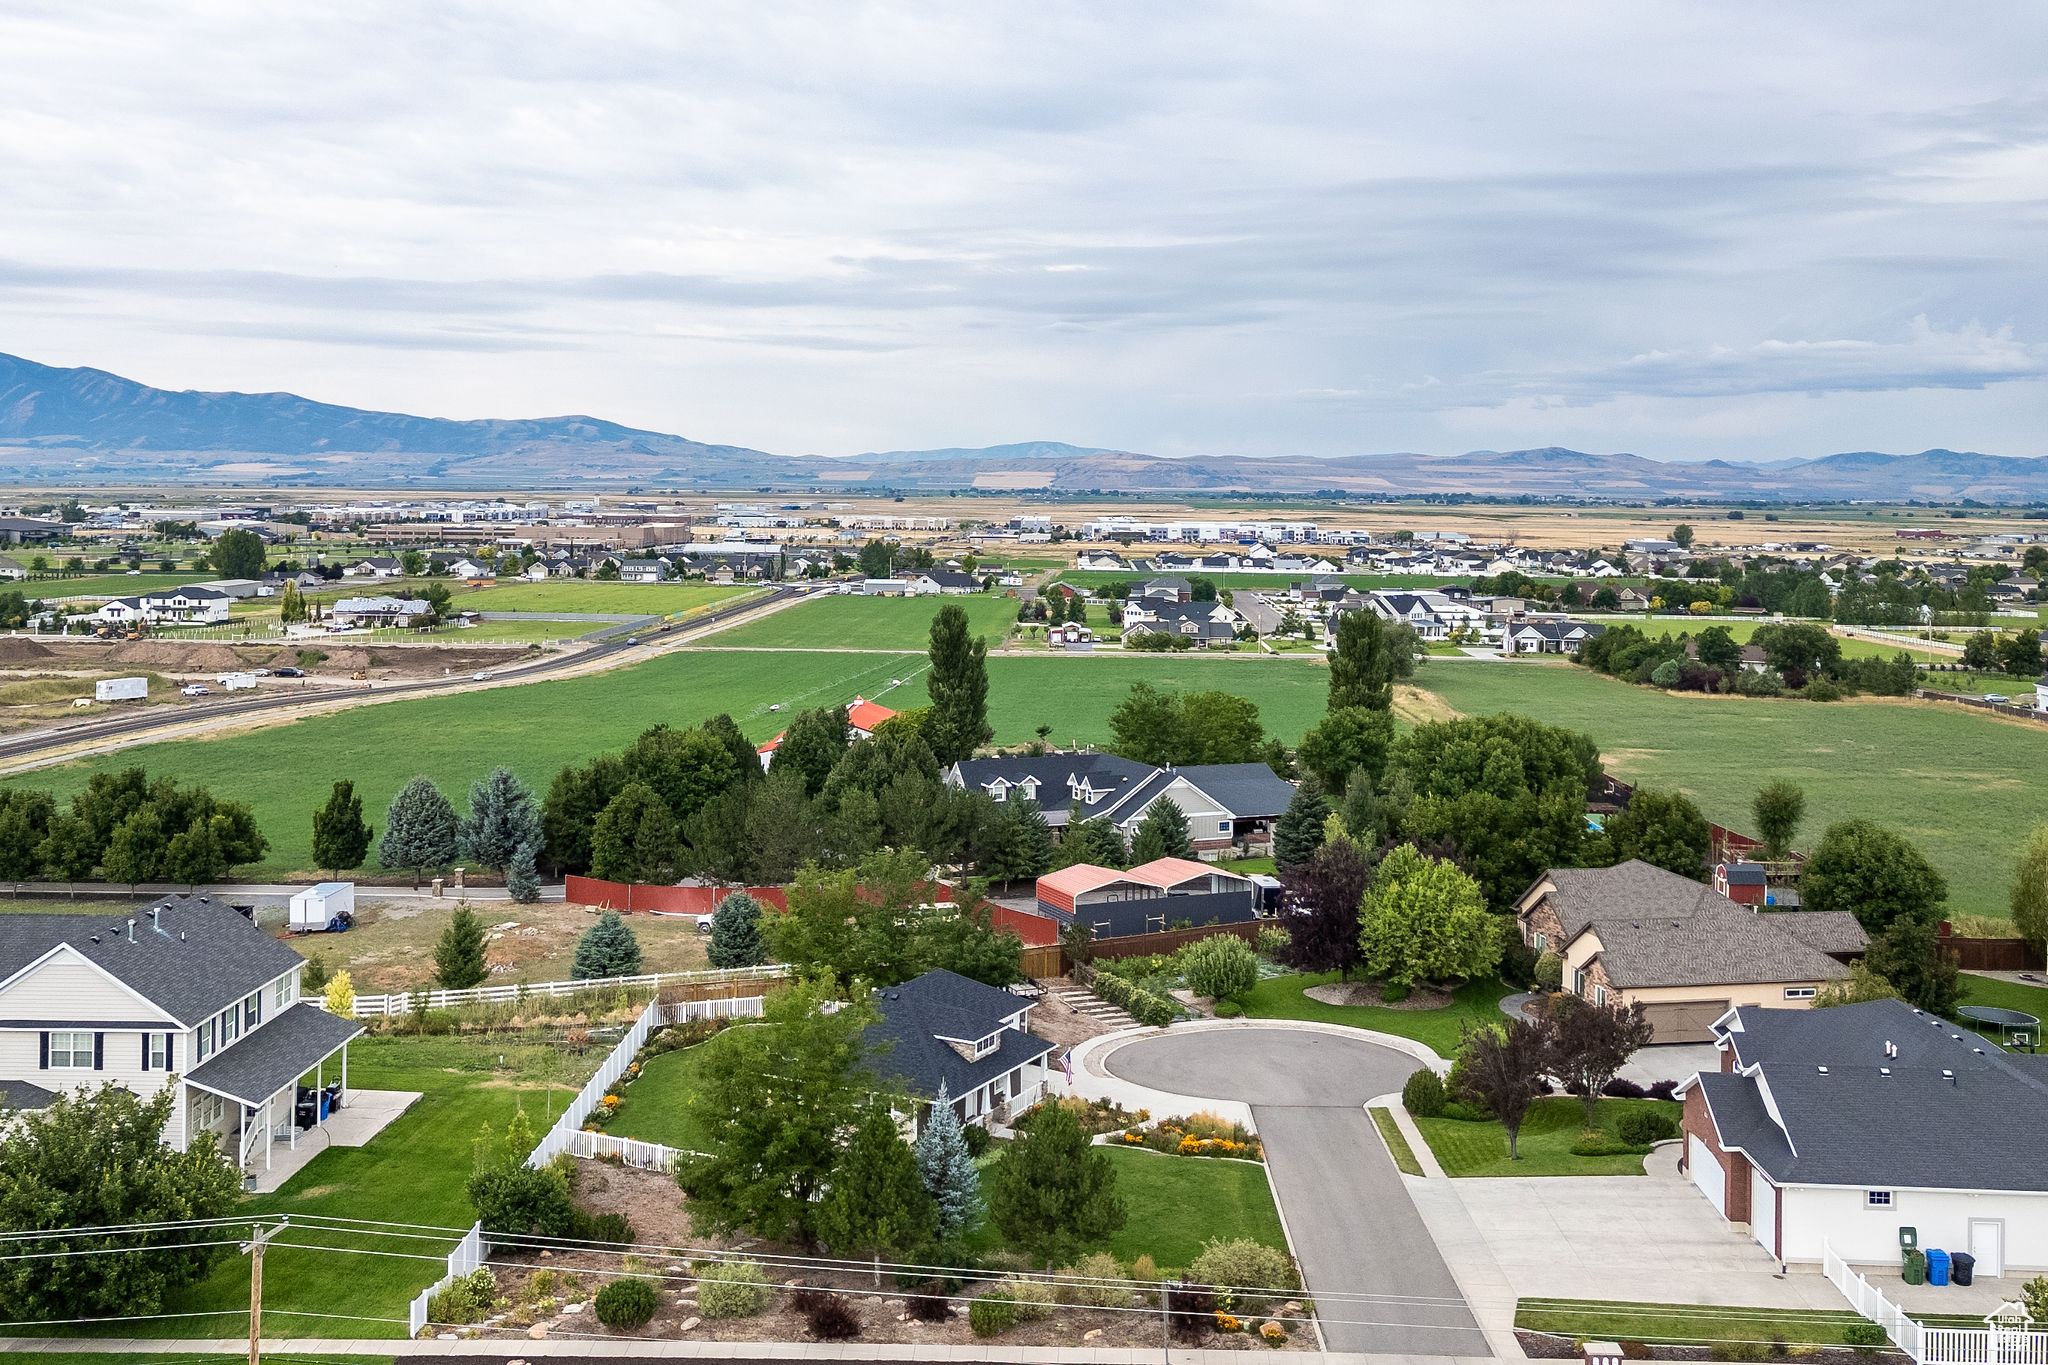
<point>539,727</point>
<point>1964,786</point>
<point>627,599</point>
<point>848,622</point>
<point>103,585</point>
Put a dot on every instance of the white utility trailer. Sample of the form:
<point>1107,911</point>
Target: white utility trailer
<point>315,908</point>
<point>121,689</point>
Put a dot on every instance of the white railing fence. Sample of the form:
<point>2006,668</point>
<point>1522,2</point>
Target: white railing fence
<point>641,1156</point>
<point>1934,1345</point>
<point>469,1253</point>
<point>383,1006</point>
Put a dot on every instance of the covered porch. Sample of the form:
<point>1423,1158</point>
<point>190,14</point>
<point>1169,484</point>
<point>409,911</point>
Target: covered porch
<point>260,1077</point>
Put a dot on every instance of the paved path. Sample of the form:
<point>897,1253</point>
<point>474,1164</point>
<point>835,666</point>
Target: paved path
<point>1353,1225</point>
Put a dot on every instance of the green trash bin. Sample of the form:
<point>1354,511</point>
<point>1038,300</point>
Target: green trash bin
<point>1914,1268</point>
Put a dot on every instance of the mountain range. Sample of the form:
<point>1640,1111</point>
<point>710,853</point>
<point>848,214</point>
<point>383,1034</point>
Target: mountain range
<point>86,427</point>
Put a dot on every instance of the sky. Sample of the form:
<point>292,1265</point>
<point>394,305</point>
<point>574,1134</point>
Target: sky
<point>1738,231</point>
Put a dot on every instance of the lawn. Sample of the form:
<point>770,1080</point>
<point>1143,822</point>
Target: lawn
<point>1396,1140</point>
<point>1963,786</point>
<point>1476,1003</point>
<point>1177,1203</point>
<point>640,599</point>
<point>1545,1146</point>
<point>657,1107</point>
<point>2005,995</point>
<point>413,1172</point>
<point>846,622</point>
<point>285,771</point>
<point>1681,1322</point>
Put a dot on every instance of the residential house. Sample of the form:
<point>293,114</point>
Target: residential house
<point>1148,899</point>
<point>181,606</point>
<point>1746,883</point>
<point>1070,634</point>
<point>1838,1128</point>
<point>933,582</point>
<point>1547,637</point>
<point>378,566</point>
<point>1228,806</point>
<point>948,1039</point>
<point>862,716</point>
<point>30,531</point>
<point>884,587</point>
<point>462,566</point>
<point>1164,589</point>
<point>1633,599</point>
<point>643,570</point>
<point>1752,660</point>
<point>1321,590</point>
<point>12,569</point>
<point>538,572</point>
<point>1203,622</point>
<point>184,994</point>
<point>1105,561</point>
<point>356,612</point>
<point>1637,934</point>
<point>1068,787</point>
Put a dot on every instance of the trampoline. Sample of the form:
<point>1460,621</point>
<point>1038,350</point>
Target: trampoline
<point>2015,1027</point>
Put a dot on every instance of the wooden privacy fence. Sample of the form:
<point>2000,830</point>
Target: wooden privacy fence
<point>1992,954</point>
<point>716,983</point>
<point>1052,960</point>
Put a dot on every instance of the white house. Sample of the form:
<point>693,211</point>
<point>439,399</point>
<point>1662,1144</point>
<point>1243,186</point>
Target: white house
<point>185,606</point>
<point>1838,1127</point>
<point>933,582</point>
<point>185,994</point>
<point>947,1038</point>
<point>643,570</point>
<point>381,566</point>
<point>378,611</point>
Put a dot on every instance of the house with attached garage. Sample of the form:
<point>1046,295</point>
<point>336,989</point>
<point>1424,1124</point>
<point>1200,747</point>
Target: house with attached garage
<point>185,994</point>
<point>1228,806</point>
<point>1203,622</point>
<point>181,606</point>
<point>1637,934</point>
<point>1547,637</point>
<point>948,1039</point>
<point>1839,1127</point>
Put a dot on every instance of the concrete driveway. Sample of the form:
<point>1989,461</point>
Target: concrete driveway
<point>1354,1228</point>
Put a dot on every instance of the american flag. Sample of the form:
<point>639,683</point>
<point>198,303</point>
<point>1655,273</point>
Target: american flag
<point>1067,1066</point>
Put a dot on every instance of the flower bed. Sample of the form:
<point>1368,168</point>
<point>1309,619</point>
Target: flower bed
<point>1201,1134</point>
<point>663,1040</point>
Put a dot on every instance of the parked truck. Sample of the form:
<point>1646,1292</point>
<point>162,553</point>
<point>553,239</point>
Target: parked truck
<point>121,689</point>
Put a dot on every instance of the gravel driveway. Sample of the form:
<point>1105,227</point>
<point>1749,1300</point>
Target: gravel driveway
<point>1354,1228</point>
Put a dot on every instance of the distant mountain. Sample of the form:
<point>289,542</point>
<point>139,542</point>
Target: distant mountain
<point>85,428</point>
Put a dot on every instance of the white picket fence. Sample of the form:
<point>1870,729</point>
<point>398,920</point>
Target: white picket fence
<point>469,1253</point>
<point>383,1006</point>
<point>1934,1345</point>
<point>641,1156</point>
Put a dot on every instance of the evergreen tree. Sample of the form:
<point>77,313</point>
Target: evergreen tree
<point>1298,833</point>
<point>608,948</point>
<point>341,839</point>
<point>521,879</point>
<point>502,816</point>
<point>877,1202</point>
<point>782,832</point>
<point>1023,844</point>
<point>1053,1194</point>
<point>736,936</point>
<point>1094,841</point>
<point>1163,833</point>
<point>947,1170</point>
<point>419,829</point>
<point>459,956</point>
<point>958,687</point>
<point>1368,658</point>
<point>635,838</point>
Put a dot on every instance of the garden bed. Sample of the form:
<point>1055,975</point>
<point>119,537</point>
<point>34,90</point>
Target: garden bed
<point>1369,993</point>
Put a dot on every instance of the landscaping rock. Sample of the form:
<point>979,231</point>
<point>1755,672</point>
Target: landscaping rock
<point>688,1323</point>
<point>1091,1334</point>
<point>538,1331</point>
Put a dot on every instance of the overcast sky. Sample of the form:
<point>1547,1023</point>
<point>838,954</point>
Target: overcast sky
<point>1745,231</point>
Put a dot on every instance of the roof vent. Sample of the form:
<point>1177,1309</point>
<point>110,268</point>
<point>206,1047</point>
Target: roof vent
<point>1823,1071</point>
<point>1948,1075</point>
<point>95,938</point>
<point>131,931</point>
<point>181,936</point>
<point>1884,1071</point>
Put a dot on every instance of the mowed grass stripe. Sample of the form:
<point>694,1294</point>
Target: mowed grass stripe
<point>847,622</point>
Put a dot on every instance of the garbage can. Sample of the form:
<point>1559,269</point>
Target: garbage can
<point>1937,1266</point>
<point>1961,1266</point>
<point>1914,1268</point>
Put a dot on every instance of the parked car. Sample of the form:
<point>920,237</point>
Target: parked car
<point>259,672</point>
<point>480,677</point>
<point>195,690</point>
<point>288,673</point>
<point>1997,698</point>
<point>632,639</point>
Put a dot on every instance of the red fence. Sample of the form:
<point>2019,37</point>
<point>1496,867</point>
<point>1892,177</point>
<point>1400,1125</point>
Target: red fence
<point>675,900</point>
<point>1036,930</point>
<point>1992,954</point>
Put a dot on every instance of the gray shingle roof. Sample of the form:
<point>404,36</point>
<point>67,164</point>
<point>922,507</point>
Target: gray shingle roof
<point>1250,791</point>
<point>1856,1125</point>
<point>276,1054</point>
<point>1104,773</point>
<point>916,1014</point>
<point>18,1095</point>
<point>206,957</point>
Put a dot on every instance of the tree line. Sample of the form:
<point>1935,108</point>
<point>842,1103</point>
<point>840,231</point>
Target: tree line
<point>126,827</point>
<point>1800,659</point>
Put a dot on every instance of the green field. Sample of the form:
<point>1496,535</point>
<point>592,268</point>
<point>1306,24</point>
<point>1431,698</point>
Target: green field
<point>103,585</point>
<point>848,622</point>
<point>1544,1145</point>
<point>637,599</point>
<point>1258,582</point>
<point>1964,787</point>
<point>657,1106</point>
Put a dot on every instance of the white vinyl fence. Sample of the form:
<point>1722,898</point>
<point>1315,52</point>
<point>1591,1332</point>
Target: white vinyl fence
<point>380,1006</point>
<point>1934,1345</point>
<point>641,1156</point>
<point>469,1253</point>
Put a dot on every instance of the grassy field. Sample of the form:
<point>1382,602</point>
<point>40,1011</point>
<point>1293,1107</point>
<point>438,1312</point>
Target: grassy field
<point>844,622</point>
<point>1545,1144</point>
<point>1259,582</point>
<point>649,599</point>
<point>1177,1203</point>
<point>102,585</point>
<point>1478,1002</point>
<point>1964,787</point>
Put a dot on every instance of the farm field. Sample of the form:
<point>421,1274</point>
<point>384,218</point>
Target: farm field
<point>103,585</point>
<point>847,622</point>
<point>1964,787</point>
<point>285,771</point>
<point>639,599</point>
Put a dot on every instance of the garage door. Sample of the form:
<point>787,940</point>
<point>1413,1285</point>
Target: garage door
<point>1691,1022</point>
<point>1707,1174</point>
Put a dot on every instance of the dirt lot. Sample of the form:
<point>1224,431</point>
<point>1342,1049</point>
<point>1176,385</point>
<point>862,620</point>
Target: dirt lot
<point>392,946</point>
<point>651,1201</point>
<point>203,658</point>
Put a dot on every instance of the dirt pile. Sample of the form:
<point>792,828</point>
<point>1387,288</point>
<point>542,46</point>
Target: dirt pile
<point>15,650</point>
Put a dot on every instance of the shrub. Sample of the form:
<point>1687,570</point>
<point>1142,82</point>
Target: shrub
<point>1142,1005</point>
<point>1517,963</point>
<point>1466,1113</point>
<point>731,1289</point>
<point>521,1201</point>
<point>615,1228</point>
<point>1593,1142</point>
<point>1223,967</point>
<point>1738,1350</point>
<point>831,1317</point>
<point>1273,942</point>
<point>625,1304</point>
<point>1621,1089</point>
<point>1394,993</point>
<point>1769,683</point>
<point>1030,1299</point>
<point>466,1300</point>
<point>1641,1127</point>
<point>1823,689</point>
<point>929,1302</point>
<point>1667,673</point>
<point>1423,1095</point>
<point>1863,1334</point>
<point>1190,1308</point>
<point>1095,1271</point>
<point>1239,1265</point>
<point>1229,1009</point>
<point>1663,1090</point>
<point>1145,1271</point>
<point>1549,971</point>
<point>977,1139</point>
<point>991,1315</point>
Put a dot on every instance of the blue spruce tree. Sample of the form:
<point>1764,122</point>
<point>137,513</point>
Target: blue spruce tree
<point>948,1171</point>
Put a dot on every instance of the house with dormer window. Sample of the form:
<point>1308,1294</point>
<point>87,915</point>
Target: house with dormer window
<point>948,1039</point>
<point>1227,805</point>
<point>185,994</point>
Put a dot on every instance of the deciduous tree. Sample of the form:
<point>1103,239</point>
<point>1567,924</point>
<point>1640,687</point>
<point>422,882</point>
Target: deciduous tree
<point>958,687</point>
<point>1663,829</point>
<point>1590,1044</point>
<point>1345,741</point>
<point>635,838</point>
<point>1876,875</point>
<point>1367,660</point>
<point>1503,1065</point>
<point>237,554</point>
<point>1327,894</point>
<point>1777,808</point>
<point>812,746</point>
<point>2029,897</point>
<point>1909,956</point>
<point>1424,920</point>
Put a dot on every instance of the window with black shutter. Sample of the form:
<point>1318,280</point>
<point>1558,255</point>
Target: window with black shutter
<point>44,1057</point>
<point>99,1052</point>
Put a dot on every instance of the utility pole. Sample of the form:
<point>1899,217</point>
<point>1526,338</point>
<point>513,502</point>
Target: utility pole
<point>259,1238</point>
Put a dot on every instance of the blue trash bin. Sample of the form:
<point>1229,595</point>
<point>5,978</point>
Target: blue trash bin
<point>1937,1266</point>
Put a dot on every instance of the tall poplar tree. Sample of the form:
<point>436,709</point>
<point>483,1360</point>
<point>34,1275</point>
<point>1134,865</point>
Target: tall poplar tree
<point>958,687</point>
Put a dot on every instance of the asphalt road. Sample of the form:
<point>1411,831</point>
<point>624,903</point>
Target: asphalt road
<point>1355,1230</point>
<point>606,645</point>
